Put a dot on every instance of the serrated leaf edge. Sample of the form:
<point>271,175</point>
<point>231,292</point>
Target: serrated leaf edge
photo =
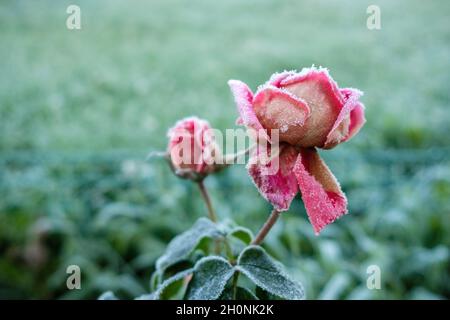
<point>277,266</point>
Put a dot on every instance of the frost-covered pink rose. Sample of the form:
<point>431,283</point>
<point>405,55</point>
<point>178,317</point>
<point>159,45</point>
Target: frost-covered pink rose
<point>310,111</point>
<point>191,147</point>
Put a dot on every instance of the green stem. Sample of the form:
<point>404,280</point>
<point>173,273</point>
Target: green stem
<point>211,213</point>
<point>266,227</point>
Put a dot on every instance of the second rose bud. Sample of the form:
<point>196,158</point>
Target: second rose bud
<point>192,150</point>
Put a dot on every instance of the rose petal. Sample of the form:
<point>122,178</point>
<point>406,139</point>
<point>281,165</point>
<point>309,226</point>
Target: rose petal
<point>278,109</point>
<point>321,94</point>
<point>276,78</point>
<point>357,120</point>
<point>323,198</point>
<point>243,97</point>
<point>318,75</point>
<point>341,128</point>
<point>279,187</point>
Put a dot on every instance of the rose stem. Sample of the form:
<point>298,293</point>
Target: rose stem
<point>211,213</point>
<point>266,227</point>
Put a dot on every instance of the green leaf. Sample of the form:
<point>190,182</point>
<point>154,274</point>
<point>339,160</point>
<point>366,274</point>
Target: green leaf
<point>241,294</point>
<point>211,274</point>
<point>266,295</point>
<point>147,296</point>
<point>245,294</point>
<point>205,246</point>
<point>155,280</point>
<point>243,234</point>
<point>108,295</point>
<point>268,274</point>
<point>182,245</point>
<point>173,287</point>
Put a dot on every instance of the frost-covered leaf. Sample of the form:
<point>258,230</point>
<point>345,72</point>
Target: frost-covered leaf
<point>155,280</point>
<point>108,295</point>
<point>266,273</point>
<point>150,296</point>
<point>266,295</point>
<point>204,246</point>
<point>241,294</point>
<point>211,275</point>
<point>182,245</point>
<point>245,294</point>
<point>173,287</point>
<point>180,266</point>
<point>238,239</point>
<point>243,234</point>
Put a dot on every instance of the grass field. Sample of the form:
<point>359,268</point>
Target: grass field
<point>79,111</point>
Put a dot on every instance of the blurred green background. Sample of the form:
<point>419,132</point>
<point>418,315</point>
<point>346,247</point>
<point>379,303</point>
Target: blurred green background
<point>80,110</point>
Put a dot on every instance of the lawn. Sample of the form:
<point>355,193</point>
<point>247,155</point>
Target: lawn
<point>80,110</point>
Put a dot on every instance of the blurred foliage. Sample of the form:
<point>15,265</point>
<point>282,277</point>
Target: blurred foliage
<point>113,215</point>
<point>79,110</point>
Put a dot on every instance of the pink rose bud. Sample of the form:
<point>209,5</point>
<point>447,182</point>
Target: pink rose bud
<point>310,111</point>
<point>192,149</point>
